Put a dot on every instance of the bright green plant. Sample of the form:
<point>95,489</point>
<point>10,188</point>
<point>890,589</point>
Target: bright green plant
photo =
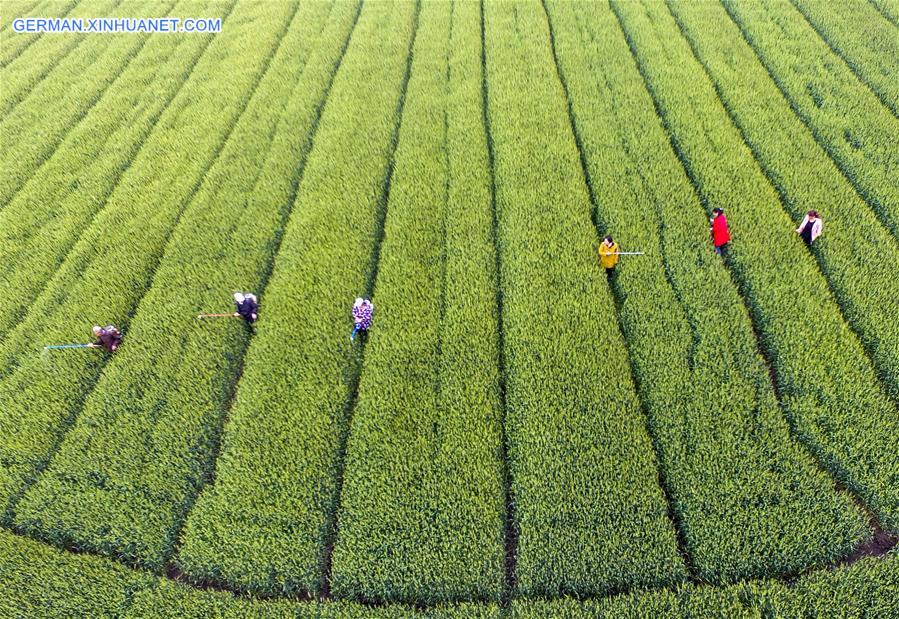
<point>826,384</point>
<point>421,515</point>
<point>845,116</point>
<point>111,267</point>
<point>264,523</point>
<point>590,514</point>
<point>750,501</point>
<point>15,44</point>
<point>56,205</point>
<point>109,486</point>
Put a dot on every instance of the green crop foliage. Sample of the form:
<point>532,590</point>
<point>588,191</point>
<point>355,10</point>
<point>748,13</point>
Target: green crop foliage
<point>263,524</point>
<point>889,9</point>
<point>864,40</point>
<point>857,255</point>
<point>45,219</point>
<point>865,589</point>
<point>25,67</point>
<point>421,515</point>
<point>826,384</point>
<point>845,116</point>
<point>14,45</point>
<point>109,487</point>
<point>590,514</point>
<point>174,600</point>
<point>111,267</point>
<point>42,581</point>
<point>34,129</point>
<point>750,500</point>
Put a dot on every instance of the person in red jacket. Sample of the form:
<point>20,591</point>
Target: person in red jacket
<point>720,233</point>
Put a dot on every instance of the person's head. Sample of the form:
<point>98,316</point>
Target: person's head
<point>608,239</point>
<point>813,214</point>
<point>717,212</point>
<point>238,296</point>
<point>358,302</point>
<point>97,330</point>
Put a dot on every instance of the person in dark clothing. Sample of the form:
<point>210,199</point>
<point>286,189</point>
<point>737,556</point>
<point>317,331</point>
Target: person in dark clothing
<point>108,337</point>
<point>247,306</point>
<point>811,227</point>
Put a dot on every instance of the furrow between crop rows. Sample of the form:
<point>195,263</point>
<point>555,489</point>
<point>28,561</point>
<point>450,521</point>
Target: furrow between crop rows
<point>510,522</point>
<point>14,48</point>
<point>277,474</point>
<point>105,276</point>
<point>143,445</point>
<point>61,201</point>
<point>845,117</point>
<point>591,516</point>
<point>846,419</point>
<point>26,71</point>
<point>858,257</point>
<point>730,468</point>
<point>889,9</point>
<point>421,511</point>
<point>869,45</point>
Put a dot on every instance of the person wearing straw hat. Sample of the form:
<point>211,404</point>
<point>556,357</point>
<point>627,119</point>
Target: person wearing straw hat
<point>362,313</point>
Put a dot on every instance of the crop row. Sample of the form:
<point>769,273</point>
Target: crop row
<point>751,502</point>
<point>111,267</point>
<point>267,518</point>
<point>826,384</point>
<point>36,127</point>
<point>421,514</point>
<point>31,64</point>
<point>845,116</point>
<point>864,40</point>
<point>857,255</point>
<point>45,219</point>
<point>590,514</point>
<point>143,445</point>
<point>15,44</point>
<point>42,581</point>
<point>889,9</point>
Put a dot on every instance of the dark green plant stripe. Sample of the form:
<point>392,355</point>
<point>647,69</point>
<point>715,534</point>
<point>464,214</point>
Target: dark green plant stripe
<point>108,272</point>
<point>863,39</point>
<point>14,45</point>
<point>828,389</point>
<point>23,72</point>
<point>749,501</point>
<point>843,114</point>
<point>40,581</point>
<point>58,204</point>
<point>264,523</point>
<point>889,9</point>
<point>170,599</point>
<point>421,516</point>
<point>591,516</point>
<point>867,589</point>
<point>109,488</point>
<point>11,9</point>
<point>857,255</point>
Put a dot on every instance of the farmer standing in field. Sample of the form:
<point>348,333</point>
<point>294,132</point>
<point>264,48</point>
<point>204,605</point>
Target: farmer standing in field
<point>362,312</point>
<point>108,337</point>
<point>720,232</point>
<point>811,227</point>
<point>247,306</point>
<point>608,255</point>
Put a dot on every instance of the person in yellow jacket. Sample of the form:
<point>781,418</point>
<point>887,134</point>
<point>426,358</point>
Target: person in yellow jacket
<point>608,255</point>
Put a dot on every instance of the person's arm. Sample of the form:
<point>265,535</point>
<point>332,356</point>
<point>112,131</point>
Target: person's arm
<point>802,225</point>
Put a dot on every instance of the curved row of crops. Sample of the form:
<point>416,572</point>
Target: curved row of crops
<point>142,445</point>
<point>590,514</point>
<point>265,522</point>
<point>107,272</point>
<point>827,386</point>
<point>421,512</point>
<point>750,501</point>
<point>55,206</point>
